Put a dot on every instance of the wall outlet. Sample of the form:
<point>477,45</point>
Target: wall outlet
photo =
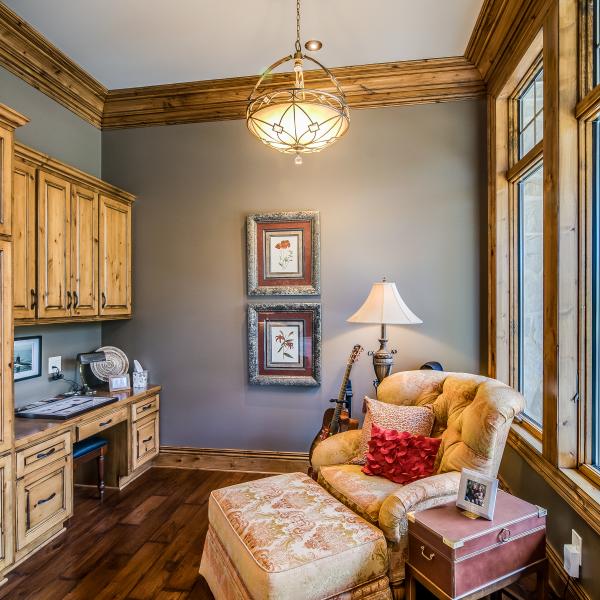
<point>572,555</point>
<point>54,363</point>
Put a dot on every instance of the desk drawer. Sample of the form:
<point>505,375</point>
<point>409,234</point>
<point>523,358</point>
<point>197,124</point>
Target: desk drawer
<point>105,421</point>
<point>43,453</point>
<point>145,439</point>
<point>44,500</point>
<point>144,407</point>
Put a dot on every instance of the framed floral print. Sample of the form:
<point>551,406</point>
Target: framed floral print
<point>283,254</point>
<point>284,344</point>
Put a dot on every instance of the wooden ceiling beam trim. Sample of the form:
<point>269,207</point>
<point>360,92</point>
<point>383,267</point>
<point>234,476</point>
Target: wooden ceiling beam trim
<point>31,57</point>
<point>365,86</point>
<point>503,31</point>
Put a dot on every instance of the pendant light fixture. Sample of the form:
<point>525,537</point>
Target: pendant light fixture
<point>297,120</point>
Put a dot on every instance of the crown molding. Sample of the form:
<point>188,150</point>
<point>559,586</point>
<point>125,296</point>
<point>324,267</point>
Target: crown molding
<point>11,118</point>
<point>503,31</point>
<point>30,56</point>
<point>365,86</point>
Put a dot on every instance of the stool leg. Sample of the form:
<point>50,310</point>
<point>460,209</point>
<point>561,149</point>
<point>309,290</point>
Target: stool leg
<point>100,460</point>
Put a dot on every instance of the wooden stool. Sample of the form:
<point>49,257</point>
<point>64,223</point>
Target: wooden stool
<point>86,450</point>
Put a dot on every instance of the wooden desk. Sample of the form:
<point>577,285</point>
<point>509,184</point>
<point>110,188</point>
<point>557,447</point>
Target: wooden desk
<point>44,463</point>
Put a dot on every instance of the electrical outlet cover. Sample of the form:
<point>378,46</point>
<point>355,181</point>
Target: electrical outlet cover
<point>54,361</point>
<point>576,540</point>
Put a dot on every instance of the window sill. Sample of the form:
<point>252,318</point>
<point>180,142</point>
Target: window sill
<point>582,495</point>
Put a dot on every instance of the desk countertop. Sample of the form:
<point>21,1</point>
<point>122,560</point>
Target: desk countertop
<point>29,430</point>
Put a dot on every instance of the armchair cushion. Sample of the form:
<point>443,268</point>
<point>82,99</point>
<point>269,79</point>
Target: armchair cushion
<point>337,449</point>
<point>364,494</point>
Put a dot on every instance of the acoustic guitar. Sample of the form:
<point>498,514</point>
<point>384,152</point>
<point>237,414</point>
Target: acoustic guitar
<point>336,419</point>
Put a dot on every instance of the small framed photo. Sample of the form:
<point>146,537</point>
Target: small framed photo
<point>27,357</point>
<point>284,344</point>
<point>117,383</point>
<point>477,494</point>
<point>283,251</point>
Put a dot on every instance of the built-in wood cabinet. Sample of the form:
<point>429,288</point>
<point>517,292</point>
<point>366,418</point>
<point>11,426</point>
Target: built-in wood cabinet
<point>7,551</point>
<point>73,243</point>
<point>115,257</point>
<point>24,242</point>
<point>6,347</point>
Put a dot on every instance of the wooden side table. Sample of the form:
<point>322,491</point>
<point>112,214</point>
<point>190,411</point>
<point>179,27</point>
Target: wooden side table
<point>459,558</point>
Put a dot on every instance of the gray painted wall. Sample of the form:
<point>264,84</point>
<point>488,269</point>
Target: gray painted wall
<point>400,196</point>
<point>525,482</point>
<point>52,128</point>
<point>57,340</point>
<point>60,133</point>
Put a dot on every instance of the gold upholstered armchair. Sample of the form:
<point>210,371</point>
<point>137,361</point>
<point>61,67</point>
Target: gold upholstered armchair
<point>473,415</point>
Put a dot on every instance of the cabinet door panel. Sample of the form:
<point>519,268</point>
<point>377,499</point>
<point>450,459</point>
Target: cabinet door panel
<point>54,246</point>
<point>115,257</point>
<point>6,513</point>
<point>23,236</point>
<point>6,347</point>
<point>84,256</point>
<point>6,159</point>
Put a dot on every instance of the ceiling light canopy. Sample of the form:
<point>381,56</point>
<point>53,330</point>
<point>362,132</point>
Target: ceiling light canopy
<point>297,120</point>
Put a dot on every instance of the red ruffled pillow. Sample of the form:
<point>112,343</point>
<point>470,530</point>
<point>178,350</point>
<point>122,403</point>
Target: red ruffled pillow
<point>400,457</point>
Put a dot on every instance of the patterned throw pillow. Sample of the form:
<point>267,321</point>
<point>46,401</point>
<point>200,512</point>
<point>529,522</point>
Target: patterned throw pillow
<point>400,456</point>
<point>417,420</point>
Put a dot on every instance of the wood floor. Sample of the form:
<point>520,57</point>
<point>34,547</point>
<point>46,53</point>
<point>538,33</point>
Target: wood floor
<point>140,544</point>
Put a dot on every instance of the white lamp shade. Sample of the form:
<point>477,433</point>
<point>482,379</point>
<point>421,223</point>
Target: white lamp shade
<point>384,305</point>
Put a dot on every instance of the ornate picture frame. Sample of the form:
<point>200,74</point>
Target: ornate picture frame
<point>284,344</point>
<point>284,253</point>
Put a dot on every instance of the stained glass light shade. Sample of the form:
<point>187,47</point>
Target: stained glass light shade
<point>298,120</point>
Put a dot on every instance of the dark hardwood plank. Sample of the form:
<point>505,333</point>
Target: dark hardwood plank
<point>144,543</point>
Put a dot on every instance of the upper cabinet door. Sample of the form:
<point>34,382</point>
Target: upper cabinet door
<point>24,231</point>
<point>84,255</point>
<point>115,257</point>
<point>54,246</point>
<point>6,347</point>
<point>6,160</point>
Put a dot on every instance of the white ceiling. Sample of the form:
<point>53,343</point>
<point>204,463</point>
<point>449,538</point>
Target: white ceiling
<point>125,43</point>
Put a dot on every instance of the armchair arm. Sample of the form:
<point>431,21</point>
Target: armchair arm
<point>337,449</point>
<point>418,495</point>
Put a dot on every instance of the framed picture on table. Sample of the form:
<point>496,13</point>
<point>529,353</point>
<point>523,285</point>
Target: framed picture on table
<point>284,344</point>
<point>477,494</point>
<point>283,251</point>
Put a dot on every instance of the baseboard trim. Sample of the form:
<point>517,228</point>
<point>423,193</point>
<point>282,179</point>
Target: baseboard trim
<point>217,459</point>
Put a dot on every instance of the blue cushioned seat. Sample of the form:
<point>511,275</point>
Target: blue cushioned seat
<point>88,445</point>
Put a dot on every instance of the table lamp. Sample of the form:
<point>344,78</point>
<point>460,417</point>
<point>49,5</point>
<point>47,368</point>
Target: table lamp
<point>384,306</point>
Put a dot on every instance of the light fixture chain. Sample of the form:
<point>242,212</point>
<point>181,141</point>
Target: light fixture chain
<point>298,45</point>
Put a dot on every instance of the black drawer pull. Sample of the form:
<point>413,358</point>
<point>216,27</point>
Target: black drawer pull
<point>45,454</point>
<point>40,502</point>
<point>146,440</point>
<point>103,300</point>
<point>146,407</point>
<point>104,423</point>
<point>430,557</point>
<point>33,298</point>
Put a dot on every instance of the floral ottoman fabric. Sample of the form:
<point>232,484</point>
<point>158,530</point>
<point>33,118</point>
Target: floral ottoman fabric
<point>286,537</point>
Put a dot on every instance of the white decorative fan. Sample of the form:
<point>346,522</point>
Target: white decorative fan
<point>116,363</point>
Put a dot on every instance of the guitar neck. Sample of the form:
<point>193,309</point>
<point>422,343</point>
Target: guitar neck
<point>342,394</point>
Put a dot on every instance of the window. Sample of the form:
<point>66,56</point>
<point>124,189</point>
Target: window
<point>594,453</point>
<point>531,115</point>
<point>531,292</point>
<point>596,43</point>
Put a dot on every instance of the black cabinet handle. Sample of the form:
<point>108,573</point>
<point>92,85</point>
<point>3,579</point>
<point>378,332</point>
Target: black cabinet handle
<point>146,407</point>
<point>40,502</point>
<point>33,299</point>
<point>45,454</point>
<point>103,299</point>
<point>28,512</point>
<point>75,299</point>
<point>146,440</point>
<point>69,301</point>
<point>105,423</point>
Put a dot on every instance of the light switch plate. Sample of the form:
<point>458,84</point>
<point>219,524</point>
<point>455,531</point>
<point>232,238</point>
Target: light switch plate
<point>54,361</point>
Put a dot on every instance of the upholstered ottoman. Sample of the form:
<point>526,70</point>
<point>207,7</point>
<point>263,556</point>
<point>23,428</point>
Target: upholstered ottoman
<point>285,537</point>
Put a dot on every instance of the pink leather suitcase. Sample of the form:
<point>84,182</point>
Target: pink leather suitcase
<point>459,555</point>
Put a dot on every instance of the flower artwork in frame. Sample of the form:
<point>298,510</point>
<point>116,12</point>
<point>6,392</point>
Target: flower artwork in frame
<point>283,253</point>
<point>284,344</point>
